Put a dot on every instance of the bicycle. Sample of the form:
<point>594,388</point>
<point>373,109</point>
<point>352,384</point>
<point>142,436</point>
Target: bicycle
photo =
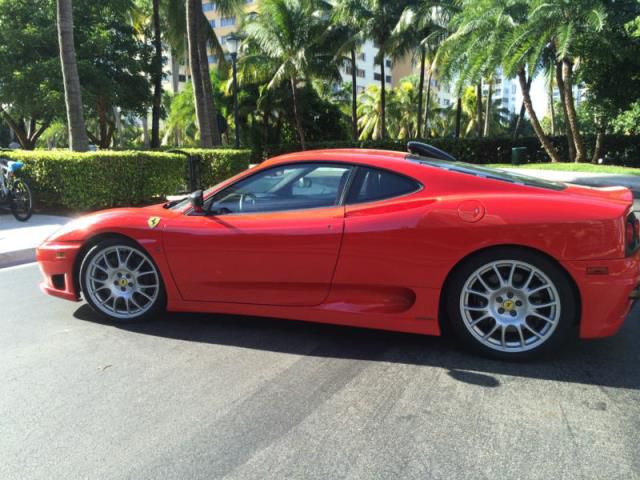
<point>14,191</point>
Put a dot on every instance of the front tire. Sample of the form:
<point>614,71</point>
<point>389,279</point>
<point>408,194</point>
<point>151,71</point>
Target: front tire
<point>21,201</point>
<point>511,304</point>
<point>121,282</point>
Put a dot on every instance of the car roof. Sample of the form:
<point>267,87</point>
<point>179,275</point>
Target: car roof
<point>351,155</point>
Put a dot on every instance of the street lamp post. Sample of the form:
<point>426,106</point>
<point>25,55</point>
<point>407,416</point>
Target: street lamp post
<point>234,43</point>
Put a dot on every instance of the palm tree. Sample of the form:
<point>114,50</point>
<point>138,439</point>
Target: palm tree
<point>185,19</point>
<point>487,36</point>
<point>421,29</point>
<point>369,115</point>
<point>207,124</point>
<point>377,20</point>
<point>289,38</point>
<point>560,25</point>
<point>351,39</point>
<point>78,140</point>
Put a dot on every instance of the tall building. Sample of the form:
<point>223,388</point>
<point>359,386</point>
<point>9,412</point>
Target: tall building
<point>367,68</point>
<point>223,25</point>
<point>504,91</point>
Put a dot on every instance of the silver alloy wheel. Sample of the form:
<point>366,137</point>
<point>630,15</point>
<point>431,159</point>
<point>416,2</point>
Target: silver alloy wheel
<point>510,306</point>
<point>122,282</point>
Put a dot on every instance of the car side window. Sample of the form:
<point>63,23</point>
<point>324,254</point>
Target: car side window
<point>371,184</point>
<point>285,187</point>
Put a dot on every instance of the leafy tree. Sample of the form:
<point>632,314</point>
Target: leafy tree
<point>114,64</point>
<point>610,68</point>
<point>628,122</point>
<point>30,77</point>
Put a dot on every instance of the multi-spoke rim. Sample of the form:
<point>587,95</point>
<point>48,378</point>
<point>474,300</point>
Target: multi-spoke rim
<point>510,306</point>
<point>122,282</point>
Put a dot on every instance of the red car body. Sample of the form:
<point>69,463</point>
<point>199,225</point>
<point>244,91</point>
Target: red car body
<point>380,264</point>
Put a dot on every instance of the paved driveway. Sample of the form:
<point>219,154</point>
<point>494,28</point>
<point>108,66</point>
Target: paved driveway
<point>196,396</point>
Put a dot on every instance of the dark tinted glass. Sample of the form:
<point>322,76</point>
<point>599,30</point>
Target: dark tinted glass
<point>372,184</point>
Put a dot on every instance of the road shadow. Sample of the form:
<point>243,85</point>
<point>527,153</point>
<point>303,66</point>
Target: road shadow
<point>611,362</point>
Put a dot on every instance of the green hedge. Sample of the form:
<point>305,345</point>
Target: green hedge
<point>218,165</point>
<point>94,180</point>
<point>617,149</point>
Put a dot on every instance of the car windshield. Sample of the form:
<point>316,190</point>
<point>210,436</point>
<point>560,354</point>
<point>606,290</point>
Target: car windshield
<point>486,172</point>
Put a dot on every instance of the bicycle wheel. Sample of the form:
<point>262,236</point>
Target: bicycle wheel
<point>20,201</point>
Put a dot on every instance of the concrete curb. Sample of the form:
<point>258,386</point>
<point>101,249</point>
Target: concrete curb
<point>17,257</point>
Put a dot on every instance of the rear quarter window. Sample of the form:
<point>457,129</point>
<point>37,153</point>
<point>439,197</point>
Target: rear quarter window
<point>372,184</point>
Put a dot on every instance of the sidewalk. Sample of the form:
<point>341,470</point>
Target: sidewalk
<point>18,240</point>
<point>632,182</point>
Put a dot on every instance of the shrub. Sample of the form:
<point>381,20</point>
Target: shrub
<point>617,149</point>
<point>94,180</point>
<point>219,164</point>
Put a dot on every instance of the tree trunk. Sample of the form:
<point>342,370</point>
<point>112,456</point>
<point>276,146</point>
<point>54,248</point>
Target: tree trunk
<point>458,117</point>
<point>354,96</point>
<point>479,108</point>
<point>118,127</point>
<point>427,133</point>
<point>526,94</point>
<point>296,112</point>
<point>102,126</point>
<point>423,55</point>
<point>206,78</point>
<point>597,150</point>
<point>145,130</point>
<point>157,77</point>
<point>552,110</point>
<point>78,140</point>
<point>567,77</point>
<point>383,100</point>
<point>570,142</point>
<point>516,129</point>
<point>487,113</point>
<point>175,85</point>
<point>202,116</point>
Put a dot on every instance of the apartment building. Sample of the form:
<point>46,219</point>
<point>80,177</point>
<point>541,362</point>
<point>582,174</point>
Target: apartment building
<point>367,68</point>
<point>223,25</point>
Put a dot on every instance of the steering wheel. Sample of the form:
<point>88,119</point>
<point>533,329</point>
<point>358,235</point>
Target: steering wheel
<point>246,199</point>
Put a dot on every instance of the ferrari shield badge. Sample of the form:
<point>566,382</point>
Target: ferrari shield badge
<point>153,222</point>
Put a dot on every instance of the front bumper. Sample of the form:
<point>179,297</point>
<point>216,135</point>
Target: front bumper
<point>606,297</point>
<point>56,261</point>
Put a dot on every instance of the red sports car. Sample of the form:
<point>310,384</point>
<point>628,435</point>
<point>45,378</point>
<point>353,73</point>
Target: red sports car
<point>409,242</point>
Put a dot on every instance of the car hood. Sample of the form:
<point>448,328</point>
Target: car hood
<point>113,220</point>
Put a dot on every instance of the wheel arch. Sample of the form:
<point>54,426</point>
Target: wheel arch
<point>442,311</point>
<point>89,244</point>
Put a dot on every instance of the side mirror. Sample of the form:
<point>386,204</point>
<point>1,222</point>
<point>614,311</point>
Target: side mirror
<point>197,201</point>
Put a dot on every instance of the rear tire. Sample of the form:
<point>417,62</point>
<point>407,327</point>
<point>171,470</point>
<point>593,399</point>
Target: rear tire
<point>511,304</point>
<point>120,281</point>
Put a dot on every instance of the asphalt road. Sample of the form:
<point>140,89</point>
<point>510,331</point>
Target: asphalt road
<point>195,396</point>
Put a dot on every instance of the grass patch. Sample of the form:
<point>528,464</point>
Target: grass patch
<point>573,167</point>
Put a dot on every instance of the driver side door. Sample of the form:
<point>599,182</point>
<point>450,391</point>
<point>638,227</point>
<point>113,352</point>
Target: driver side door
<point>272,238</point>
